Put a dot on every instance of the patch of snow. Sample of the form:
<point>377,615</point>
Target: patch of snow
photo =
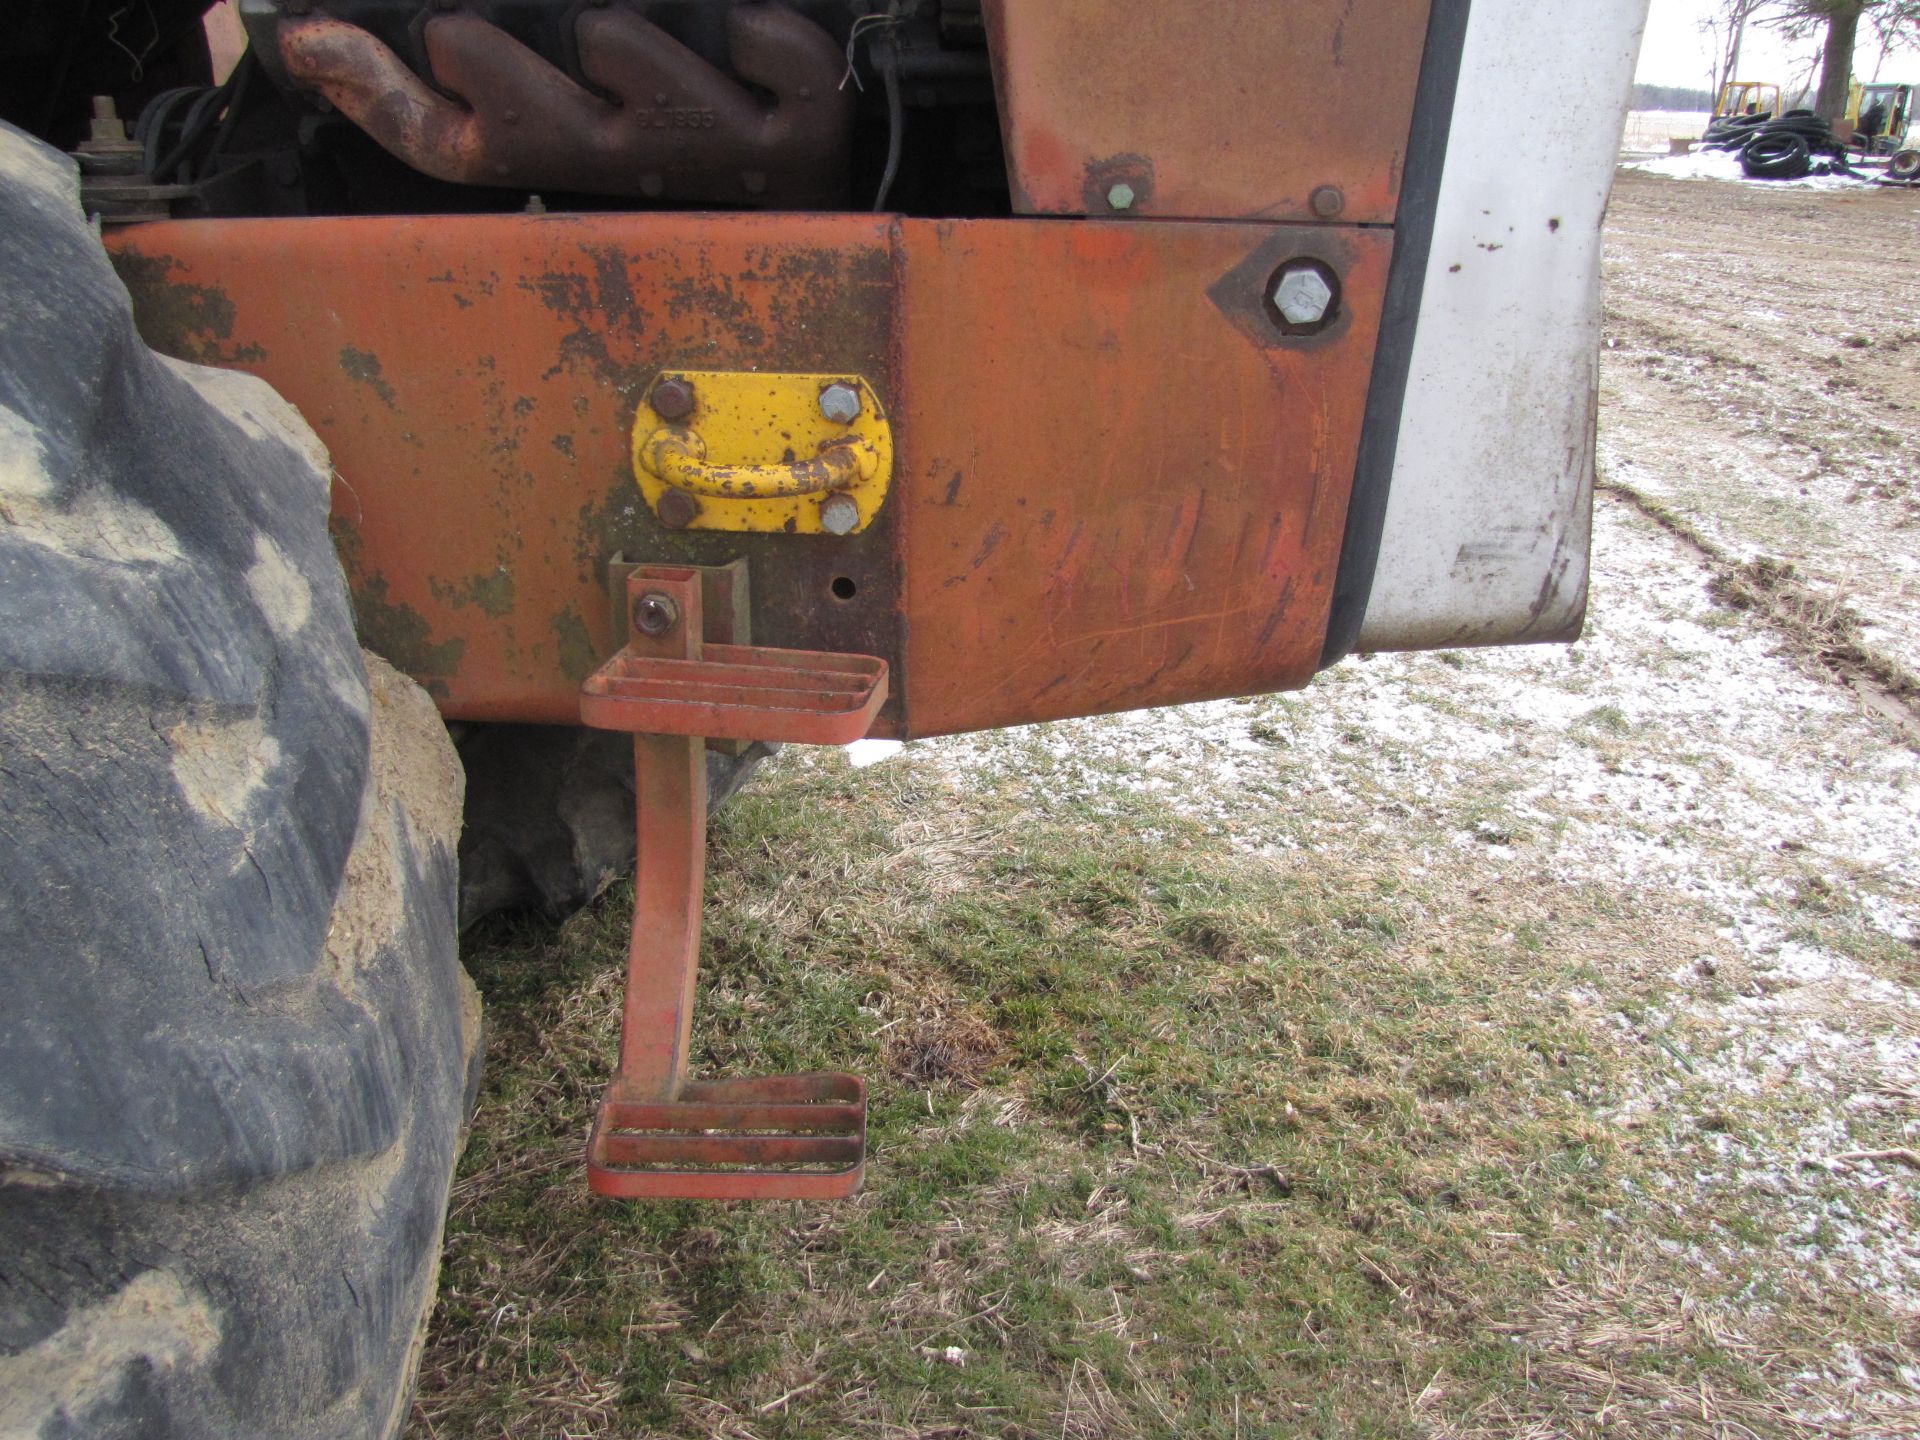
<point>1724,165</point>
<point>862,753</point>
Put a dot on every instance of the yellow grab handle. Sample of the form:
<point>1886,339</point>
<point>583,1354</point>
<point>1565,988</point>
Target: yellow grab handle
<point>678,456</point>
<point>762,451</point>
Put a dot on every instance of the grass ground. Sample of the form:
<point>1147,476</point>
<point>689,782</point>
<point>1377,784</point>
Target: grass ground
<point>1167,1139</point>
<point>1488,1044</point>
<point>1259,1118</point>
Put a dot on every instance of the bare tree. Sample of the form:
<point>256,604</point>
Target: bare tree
<point>1893,21</point>
<point>1896,27</point>
<point>1725,27</point>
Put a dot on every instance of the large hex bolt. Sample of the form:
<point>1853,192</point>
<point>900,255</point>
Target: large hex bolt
<point>672,399</point>
<point>677,509</point>
<point>839,514</point>
<point>654,613</point>
<point>840,402</point>
<point>1120,196</point>
<point>1303,294</point>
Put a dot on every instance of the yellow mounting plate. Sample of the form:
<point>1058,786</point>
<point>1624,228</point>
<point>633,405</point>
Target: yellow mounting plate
<point>752,450</point>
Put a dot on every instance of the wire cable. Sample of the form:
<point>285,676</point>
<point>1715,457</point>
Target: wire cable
<point>886,56</point>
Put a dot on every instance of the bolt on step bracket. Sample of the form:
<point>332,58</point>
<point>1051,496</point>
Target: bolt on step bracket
<point>659,1134</point>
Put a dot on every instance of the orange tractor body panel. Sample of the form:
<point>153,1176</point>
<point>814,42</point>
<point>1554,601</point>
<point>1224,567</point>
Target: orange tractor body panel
<point>1118,484</point>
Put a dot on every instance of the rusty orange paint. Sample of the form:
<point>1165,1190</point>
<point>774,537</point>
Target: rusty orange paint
<point>1240,109</point>
<point>1116,483</point>
<point>1124,490</point>
<point>476,380</point>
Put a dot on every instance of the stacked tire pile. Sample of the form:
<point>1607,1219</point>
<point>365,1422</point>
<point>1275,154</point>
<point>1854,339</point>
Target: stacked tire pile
<point>1791,147</point>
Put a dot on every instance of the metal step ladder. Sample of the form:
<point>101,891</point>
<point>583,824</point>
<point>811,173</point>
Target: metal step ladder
<point>659,1134</point>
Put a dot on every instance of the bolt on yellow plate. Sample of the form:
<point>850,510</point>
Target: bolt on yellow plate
<point>750,450</point>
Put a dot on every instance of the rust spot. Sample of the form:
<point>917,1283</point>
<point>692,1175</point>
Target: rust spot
<point>492,593</point>
<point>1134,171</point>
<point>613,287</point>
<point>186,321</point>
<point>364,366</point>
<point>396,632</point>
<point>578,655</point>
<point>400,635</point>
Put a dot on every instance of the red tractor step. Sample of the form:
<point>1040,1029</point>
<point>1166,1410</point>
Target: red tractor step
<point>658,1133</point>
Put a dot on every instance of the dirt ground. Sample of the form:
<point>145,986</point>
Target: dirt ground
<point>1498,1043</point>
<point>1763,379</point>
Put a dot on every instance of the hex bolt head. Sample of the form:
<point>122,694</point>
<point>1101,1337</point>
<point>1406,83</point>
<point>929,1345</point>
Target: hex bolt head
<point>839,514</point>
<point>1120,196</point>
<point>677,509</point>
<point>672,399</point>
<point>840,403</point>
<point>654,613</point>
<point>1302,294</point>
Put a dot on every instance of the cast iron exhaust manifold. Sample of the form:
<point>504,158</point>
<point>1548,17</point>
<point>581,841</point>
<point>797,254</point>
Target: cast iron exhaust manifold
<point>675,128</point>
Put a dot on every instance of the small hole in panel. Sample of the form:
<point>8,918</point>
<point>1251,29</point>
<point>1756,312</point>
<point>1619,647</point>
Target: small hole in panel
<point>843,587</point>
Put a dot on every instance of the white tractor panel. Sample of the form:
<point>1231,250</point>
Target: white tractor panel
<point>1490,510</point>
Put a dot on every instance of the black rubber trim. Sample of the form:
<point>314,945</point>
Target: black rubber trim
<point>1406,285</point>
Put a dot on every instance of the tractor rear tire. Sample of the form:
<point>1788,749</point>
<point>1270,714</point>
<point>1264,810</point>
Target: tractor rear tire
<point>550,815</point>
<point>237,1047</point>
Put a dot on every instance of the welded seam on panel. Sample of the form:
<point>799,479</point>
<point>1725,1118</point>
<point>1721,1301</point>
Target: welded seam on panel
<point>1400,317</point>
<point>903,517</point>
